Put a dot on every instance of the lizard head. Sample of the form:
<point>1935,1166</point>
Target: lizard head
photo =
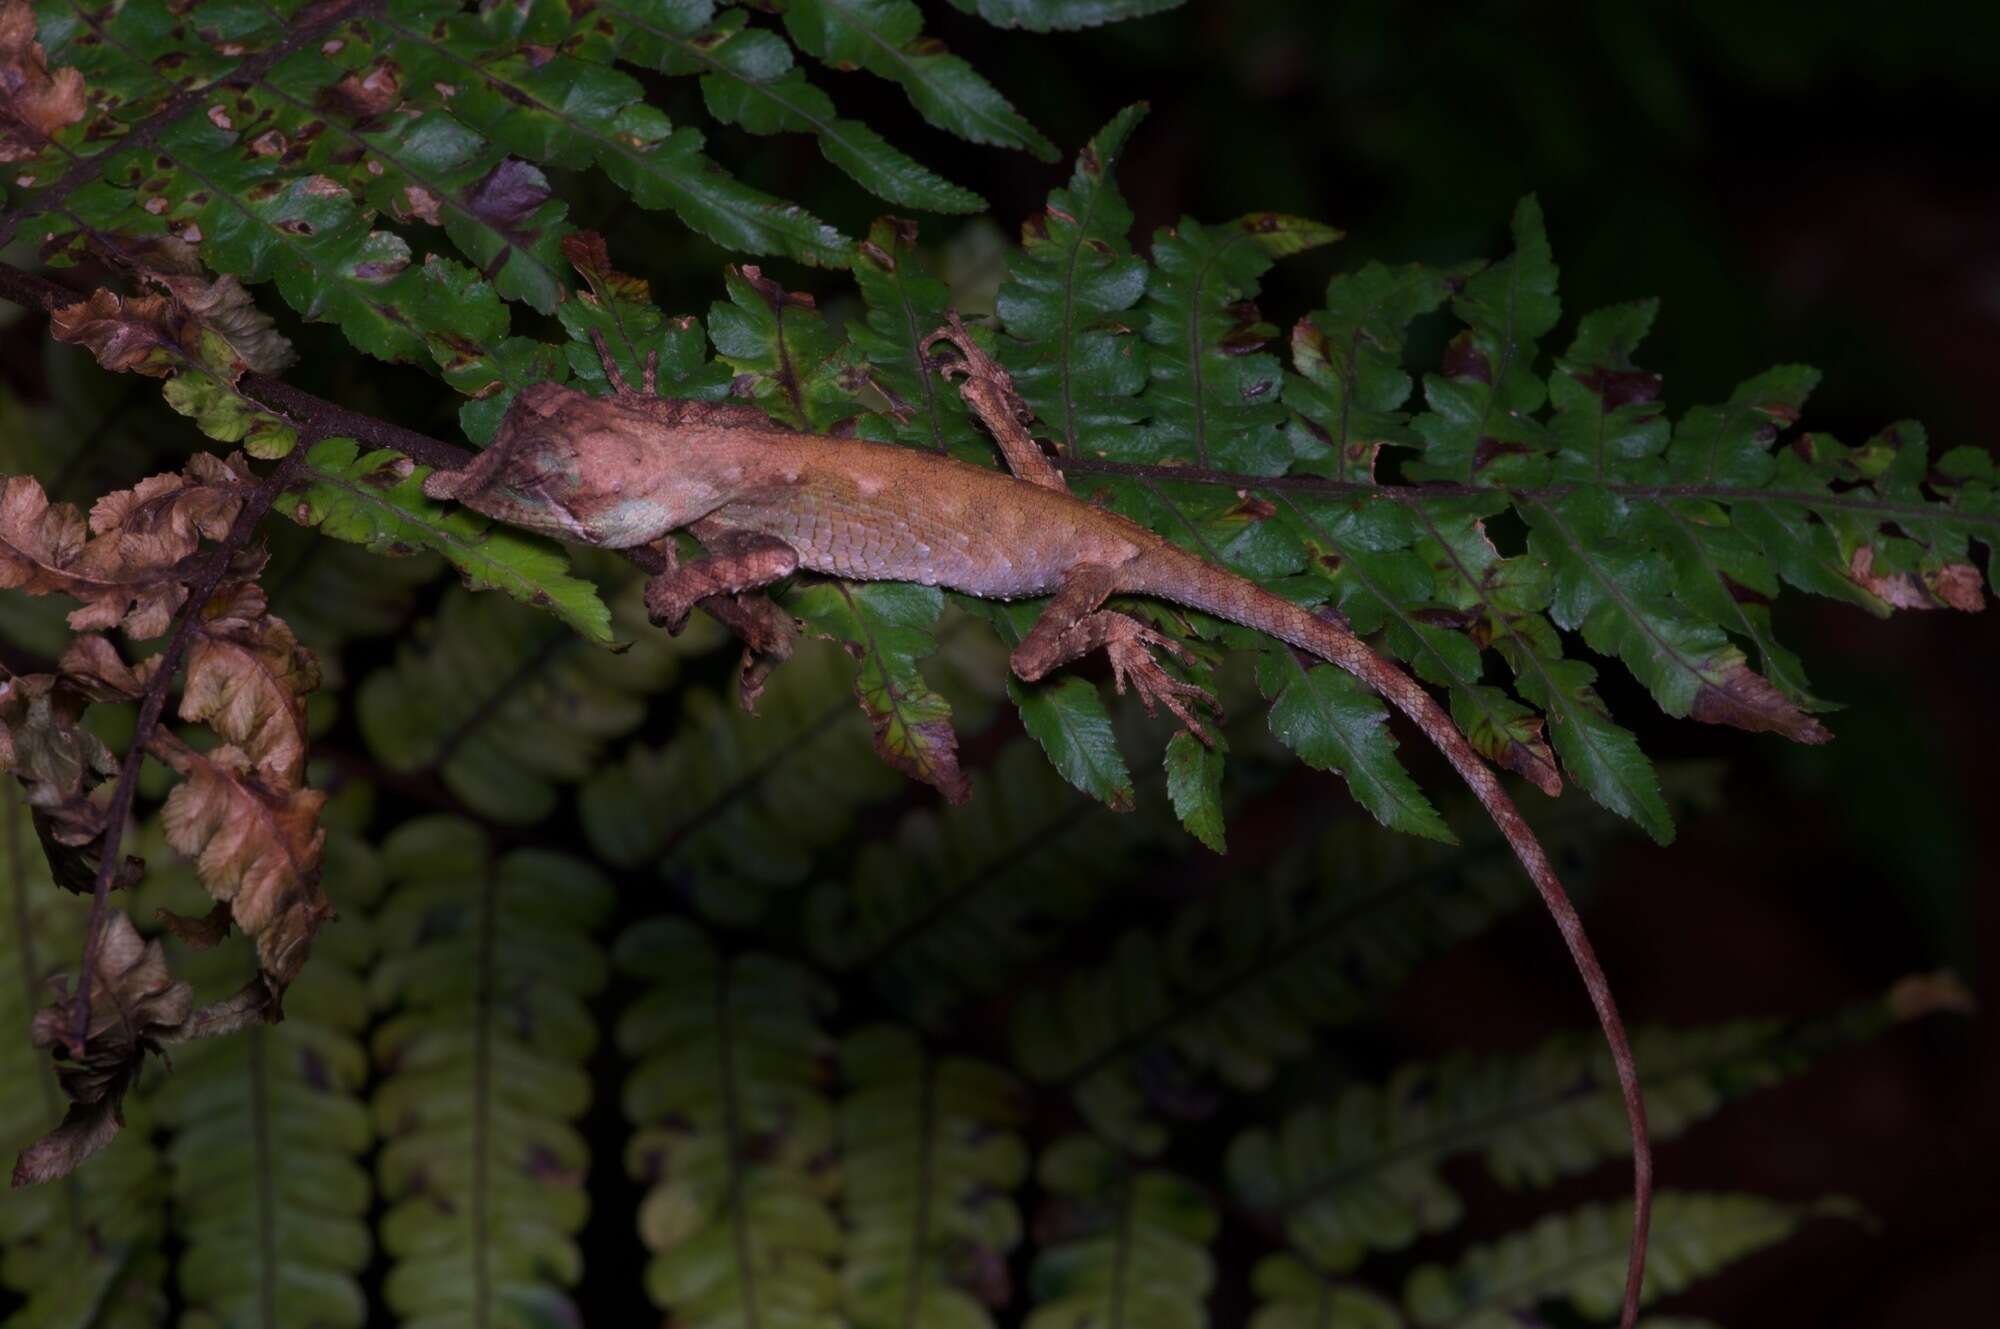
<point>591,470</point>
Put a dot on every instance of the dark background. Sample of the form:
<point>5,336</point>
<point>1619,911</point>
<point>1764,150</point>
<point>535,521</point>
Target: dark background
<point>1801,182</point>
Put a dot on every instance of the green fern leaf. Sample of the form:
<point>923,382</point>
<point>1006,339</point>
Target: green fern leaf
<point>486,968</point>
<point>787,360</point>
<point>1231,991</point>
<point>270,1127</point>
<point>1362,1172</point>
<point>1351,387</point>
<point>1578,1257</point>
<point>1073,276</point>
<point>1335,724</point>
<point>885,37</point>
<point>889,627</point>
<point>905,304</point>
<point>1214,395</point>
<point>1291,1294</point>
<point>375,499</point>
<point>929,1162</point>
<point>956,902</point>
<point>1125,1248</point>
<point>749,80</point>
<point>506,704</point>
<point>1482,423</point>
<point>1050,15</point>
<point>734,1133</point>
<point>738,803</point>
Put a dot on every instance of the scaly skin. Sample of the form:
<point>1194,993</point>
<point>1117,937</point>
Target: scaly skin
<point>631,468</point>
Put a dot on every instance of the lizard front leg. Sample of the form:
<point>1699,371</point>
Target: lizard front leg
<point>1075,624</point>
<point>989,391</point>
<point>737,562</point>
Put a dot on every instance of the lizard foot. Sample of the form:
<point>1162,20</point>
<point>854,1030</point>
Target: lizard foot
<point>668,605</point>
<point>987,385</point>
<point>1129,643</point>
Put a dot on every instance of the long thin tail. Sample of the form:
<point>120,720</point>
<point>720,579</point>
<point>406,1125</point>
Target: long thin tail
<point>1208,588</point>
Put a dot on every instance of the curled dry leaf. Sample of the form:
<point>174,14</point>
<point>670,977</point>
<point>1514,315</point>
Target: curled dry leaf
<point>124,563</point>
<point>138,1007</point>
<point>60,766</point>
<point>35,101</point>
<point>127,334</point>
<point>225,307</point>
<point>1746,699</point>
<point>247,679</point>
<point>256,845</point>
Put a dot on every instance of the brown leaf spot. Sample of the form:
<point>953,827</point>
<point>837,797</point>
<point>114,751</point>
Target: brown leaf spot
<point>421,204</point>
<point>1488,449</point>
<point>1621,387</point>
<point>270,143</point>
<point>1745,699</point>
<point>1463,360</point>
<point>219,117</point>
<point>362,97</point>
<point>1961,587</point>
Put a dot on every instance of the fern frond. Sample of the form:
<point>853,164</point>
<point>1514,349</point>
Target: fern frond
<point>1363,1172</point>
<point>1072,277</point>
<point>270,1127</point>
<point>929,1164</point>
<point>374,499</point>
<point>957,901</point>
<point>1123,1247</point>
<point>507,704</point>
<point>737,803</point>
<point>86,1248</point>
<point>333,594</point>
<point>735,1137</point>
<point>885,37</point>
<point>1051,15</point>
<point>486,967</point>
<point>1231,989</point>
<point>1578,1258</point>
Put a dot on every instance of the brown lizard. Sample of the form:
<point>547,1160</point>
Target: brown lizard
<point>631,468</point>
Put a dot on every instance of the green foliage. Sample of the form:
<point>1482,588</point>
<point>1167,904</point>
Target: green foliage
<point>1127,1246</point>
<point>269,1131</point>
<point>373,499</point>
<point>1233,989</point>
<point>487,964</point>
<point>1361,1171</point>
<point>507,705</point>
<point>734,1132</point>
<point>1579,1257</point>
<point>737,804</point>
<point>930,1166</point>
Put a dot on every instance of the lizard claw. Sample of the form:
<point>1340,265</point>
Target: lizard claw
<point>665,608</point>
<point>1131,650</point>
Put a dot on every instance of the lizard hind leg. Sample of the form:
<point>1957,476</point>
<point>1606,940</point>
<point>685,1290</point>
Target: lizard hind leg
<point>1075,624</point>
